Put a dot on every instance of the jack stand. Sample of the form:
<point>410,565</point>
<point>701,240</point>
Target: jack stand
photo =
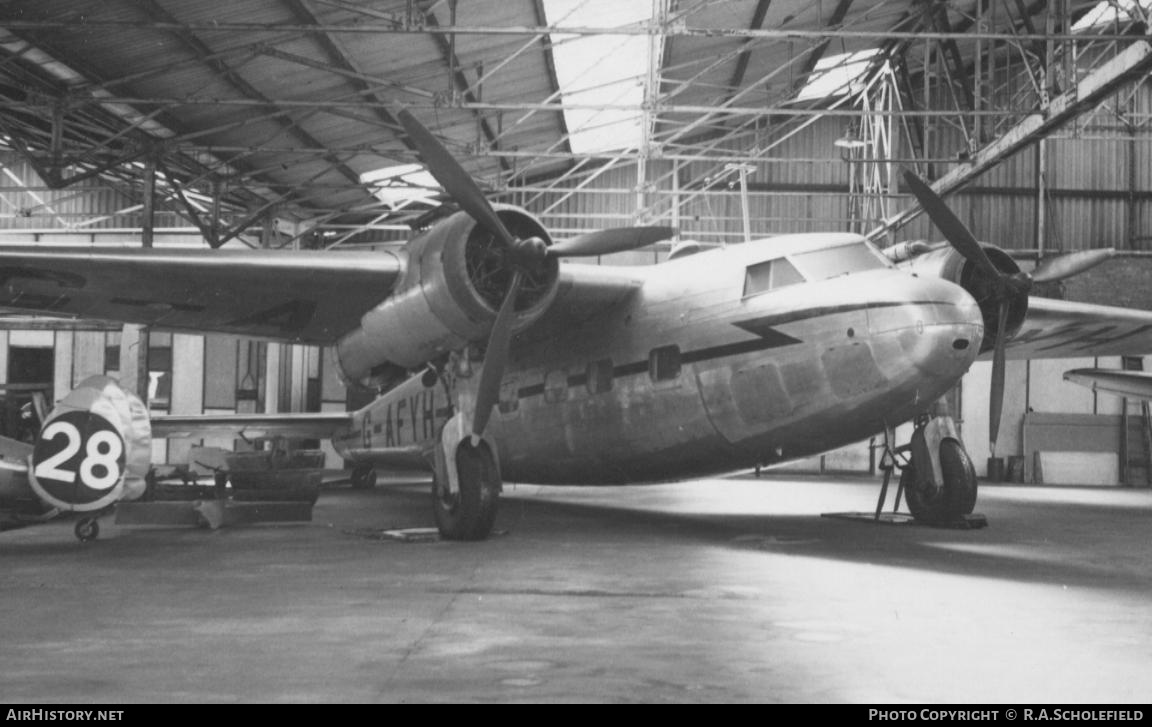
<point>890,461</point>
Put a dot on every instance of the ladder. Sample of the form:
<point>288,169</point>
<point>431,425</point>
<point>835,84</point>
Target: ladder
<point>1135,456</point>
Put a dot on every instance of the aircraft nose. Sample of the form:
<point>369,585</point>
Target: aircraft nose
<point>937,325</point>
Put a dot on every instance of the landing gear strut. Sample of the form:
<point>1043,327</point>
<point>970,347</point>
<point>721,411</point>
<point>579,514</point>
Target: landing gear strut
<point>468,511</point>
<point>937,477</point>
<point>363,477</point>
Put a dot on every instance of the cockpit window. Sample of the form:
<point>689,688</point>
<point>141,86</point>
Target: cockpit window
<point>835,261</point>
<point>770,275</point>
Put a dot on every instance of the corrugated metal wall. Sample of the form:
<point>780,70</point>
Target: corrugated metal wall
<point>26,202</point>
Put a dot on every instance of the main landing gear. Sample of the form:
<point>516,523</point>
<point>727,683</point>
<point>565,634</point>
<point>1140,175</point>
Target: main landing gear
<point>87,528</point>
<point>937,477</point>
<point>363,477</point>
<point>466,510</point>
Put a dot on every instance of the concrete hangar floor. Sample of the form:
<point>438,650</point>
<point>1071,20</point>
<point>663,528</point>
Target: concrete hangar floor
<point>729,590</point>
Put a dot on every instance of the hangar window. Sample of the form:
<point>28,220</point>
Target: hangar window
<point>159,366</point>
<point>556,386</point>
<point>600,376</point>
<point>835,261</point>
<point>664,363</point>
<point>762,277</point>
<point>509,396</point>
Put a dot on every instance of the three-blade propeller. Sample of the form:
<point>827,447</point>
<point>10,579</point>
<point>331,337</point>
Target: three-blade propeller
<point>524,255</point>
<point>1007,285</point>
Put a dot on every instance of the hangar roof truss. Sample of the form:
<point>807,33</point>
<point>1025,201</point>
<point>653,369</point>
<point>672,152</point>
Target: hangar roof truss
<point>257,110</point>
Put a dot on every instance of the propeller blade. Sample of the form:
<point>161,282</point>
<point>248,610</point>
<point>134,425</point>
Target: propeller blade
<point>996,399</point>
<point>949,224</point>
<point>495,358</point>
<point>1065,266</point>
<point>604,242</point>
<point>457,182</point>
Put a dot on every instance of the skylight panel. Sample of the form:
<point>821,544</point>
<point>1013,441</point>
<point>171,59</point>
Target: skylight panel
<point>1111,11</point>
<point>838,75</point>
<point>600,70</point>
<point>401,185</point>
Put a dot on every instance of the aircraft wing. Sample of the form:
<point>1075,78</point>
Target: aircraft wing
<point>584,292</point>
<point>299,296</point>
<point>1136,384</point>
<point>302,425</point>
<point>1063,329</point>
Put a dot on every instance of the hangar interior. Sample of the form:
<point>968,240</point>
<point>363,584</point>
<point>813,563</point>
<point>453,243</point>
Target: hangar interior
<point>271,123</point>
<point>255,126</point>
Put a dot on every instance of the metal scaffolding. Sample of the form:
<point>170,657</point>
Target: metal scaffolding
<point>211,136</point>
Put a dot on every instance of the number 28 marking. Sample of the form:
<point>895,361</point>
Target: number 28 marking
<point>101,454</point>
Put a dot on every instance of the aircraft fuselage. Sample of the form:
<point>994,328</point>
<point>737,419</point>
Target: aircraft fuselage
<point>717,362</point>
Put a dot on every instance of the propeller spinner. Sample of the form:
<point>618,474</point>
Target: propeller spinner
<point>523,255</point>
<point>1006,286</point>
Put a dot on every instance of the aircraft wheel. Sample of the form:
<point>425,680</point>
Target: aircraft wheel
<point>470,513</point>
<point>936,505</point>
<point>86,529</point>
<point>363,477</point>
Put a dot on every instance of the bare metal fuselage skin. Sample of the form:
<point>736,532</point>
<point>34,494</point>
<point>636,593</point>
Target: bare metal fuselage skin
<point>762,378</point>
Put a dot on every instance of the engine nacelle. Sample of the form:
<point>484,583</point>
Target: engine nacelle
<point>455,278</point>
<point>945,262</point>
<point>94,448</point>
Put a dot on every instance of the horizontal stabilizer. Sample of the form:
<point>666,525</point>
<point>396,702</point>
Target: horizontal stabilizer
<point>302,425</point>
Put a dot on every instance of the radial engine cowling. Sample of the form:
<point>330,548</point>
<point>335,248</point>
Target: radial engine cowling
<point>945,262</point>
<point>455,278</point>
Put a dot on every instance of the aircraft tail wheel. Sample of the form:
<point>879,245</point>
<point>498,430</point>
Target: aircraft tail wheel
<point>363,477</point>
<point>470,513</point>
<point>936,505</point>
<point>87,529</point>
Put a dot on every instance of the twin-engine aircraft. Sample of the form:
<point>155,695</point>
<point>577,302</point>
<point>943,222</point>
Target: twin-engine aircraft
<point>512,366</point>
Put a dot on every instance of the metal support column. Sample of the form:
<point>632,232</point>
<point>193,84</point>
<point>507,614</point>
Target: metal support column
<point>1041,196</point>
<point>134,339</point>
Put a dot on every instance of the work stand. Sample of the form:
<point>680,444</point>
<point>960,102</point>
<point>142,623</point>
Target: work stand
<point>265,488</point>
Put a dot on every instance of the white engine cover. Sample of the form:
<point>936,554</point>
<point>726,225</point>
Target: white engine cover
<point>94,449</point>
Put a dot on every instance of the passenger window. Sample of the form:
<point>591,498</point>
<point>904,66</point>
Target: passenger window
<point>556,386</point>
<point>770,275</point>
<point>600,376</point>
<point>664,363</point>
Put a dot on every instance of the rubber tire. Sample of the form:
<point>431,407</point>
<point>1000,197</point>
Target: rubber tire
<point>952,501</point>
<point>87,529</point>
<point>363,477</point>
<point>471,513</point>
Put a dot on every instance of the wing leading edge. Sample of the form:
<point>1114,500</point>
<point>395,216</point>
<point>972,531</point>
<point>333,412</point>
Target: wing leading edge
<point>300,296</point>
